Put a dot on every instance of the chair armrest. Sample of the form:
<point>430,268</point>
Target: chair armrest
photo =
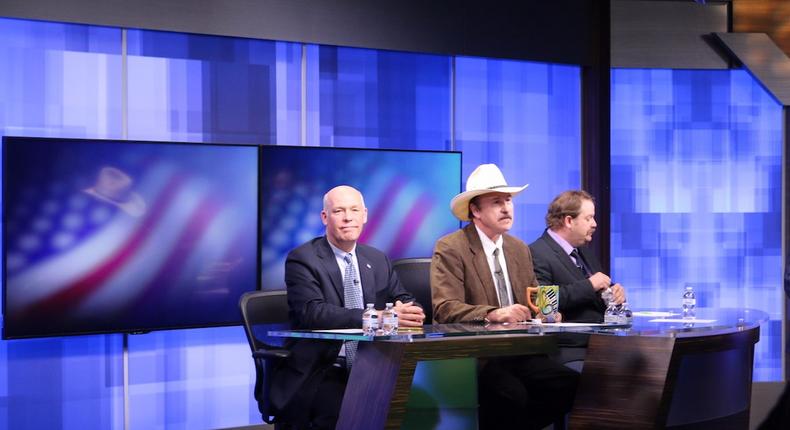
<point>271,353</point>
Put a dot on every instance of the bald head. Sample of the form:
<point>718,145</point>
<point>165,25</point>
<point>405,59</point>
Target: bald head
<point>340,192</point>
<point>344,215</point>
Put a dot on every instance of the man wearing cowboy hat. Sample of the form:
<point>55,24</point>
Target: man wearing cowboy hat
<point>480,273</point>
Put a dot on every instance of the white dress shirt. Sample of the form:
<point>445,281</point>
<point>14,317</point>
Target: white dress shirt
<point>488,247</point>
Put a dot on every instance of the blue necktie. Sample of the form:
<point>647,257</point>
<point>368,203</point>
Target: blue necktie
<point>580,263</point>
<point>352,297</point>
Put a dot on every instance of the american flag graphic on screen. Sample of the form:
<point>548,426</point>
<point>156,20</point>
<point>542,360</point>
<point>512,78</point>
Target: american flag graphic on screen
<point>407,194</point>
<point>144,239</point>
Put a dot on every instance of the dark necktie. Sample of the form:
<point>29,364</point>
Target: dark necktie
<point>501,286</point>
<point>580,263</point>
<point>352,296</point>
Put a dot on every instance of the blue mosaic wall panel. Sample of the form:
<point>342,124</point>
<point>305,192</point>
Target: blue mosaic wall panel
<point>187,87</point>
<point>524,117</point>
<point>696,194</point>
<point>363,98</point>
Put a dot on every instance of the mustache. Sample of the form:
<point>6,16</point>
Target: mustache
<point>506,217</point>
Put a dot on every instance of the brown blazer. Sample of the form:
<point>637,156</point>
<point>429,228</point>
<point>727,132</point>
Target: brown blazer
<point>462,286</point>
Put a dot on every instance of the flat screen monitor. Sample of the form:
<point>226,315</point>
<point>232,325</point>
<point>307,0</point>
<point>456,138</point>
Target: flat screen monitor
<point>407,194</point>
<point>121,236</point>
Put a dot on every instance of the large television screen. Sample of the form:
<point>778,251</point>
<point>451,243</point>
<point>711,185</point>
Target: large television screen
<point>121,236</point>
<point>407,194</point>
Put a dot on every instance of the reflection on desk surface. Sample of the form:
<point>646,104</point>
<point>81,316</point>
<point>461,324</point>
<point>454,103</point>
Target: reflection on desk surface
<point>655,314</point>
<point>709,321</point>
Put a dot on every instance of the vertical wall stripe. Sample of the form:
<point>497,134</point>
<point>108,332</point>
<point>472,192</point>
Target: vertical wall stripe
<point>785,234</point>
<point>124,87</point>
<point>125,135</point>
<point>125,354</point>
<point>303,110</point>
<point>452,103</point>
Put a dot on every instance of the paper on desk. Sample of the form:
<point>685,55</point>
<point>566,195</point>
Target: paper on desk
<point>655,314</point>
<point>342,331</point>
<point>682,320</point>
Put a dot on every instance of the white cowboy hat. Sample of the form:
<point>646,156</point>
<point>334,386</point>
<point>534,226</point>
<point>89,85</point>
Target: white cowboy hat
<point>486,178</point>
<point>115,187</point>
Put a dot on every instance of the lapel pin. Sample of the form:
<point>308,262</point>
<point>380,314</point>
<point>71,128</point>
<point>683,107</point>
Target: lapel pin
<point>368,264</point>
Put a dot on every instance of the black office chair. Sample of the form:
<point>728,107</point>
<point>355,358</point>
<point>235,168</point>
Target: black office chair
<point>263,311</point>
<point>415,276</point>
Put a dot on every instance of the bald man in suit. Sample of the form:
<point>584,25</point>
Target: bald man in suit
<point>309,386</point>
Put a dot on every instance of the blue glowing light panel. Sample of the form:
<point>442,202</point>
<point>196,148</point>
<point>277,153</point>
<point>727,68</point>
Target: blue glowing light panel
<point>59,80</point>
<point>363,98</point>
<point>524,117</point>
<point>696,194</point>
<point>187,87</point>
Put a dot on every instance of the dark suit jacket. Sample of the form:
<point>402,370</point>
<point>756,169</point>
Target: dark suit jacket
<point>461,282</point>
<point>579,302</point>
<point>315,301</point>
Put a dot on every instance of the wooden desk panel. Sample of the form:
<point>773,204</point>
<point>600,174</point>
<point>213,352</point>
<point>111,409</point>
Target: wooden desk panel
<point>379,384</point>
<point>629,382</point>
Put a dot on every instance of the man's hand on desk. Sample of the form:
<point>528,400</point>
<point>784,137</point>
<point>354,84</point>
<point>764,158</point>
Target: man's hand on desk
<point>409,314</point>
<point>509,314</point>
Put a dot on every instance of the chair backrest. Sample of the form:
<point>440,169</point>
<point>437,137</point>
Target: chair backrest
<point>262,311</point>
<point>415,276</point>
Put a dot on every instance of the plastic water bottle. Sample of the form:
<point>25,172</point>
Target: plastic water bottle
<point>626,316</point>
<point>389,320</point>
<point>607,295</point>
<point>612,314</point>
<point>689,302</point>
<point>370,320</point>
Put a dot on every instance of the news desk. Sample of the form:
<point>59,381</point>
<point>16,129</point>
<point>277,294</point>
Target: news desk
<point>660,371</point>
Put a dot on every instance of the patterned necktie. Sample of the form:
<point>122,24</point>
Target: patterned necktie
<point>501,286</point>
<point>352,297</point>
<point>580,263</point>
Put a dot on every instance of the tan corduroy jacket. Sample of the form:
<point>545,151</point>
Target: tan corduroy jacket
<point>462,286</point>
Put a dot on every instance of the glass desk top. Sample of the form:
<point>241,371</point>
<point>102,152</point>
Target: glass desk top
<point>658,322</point>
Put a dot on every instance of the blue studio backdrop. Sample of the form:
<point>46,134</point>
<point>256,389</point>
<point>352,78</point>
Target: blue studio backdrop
<point>696,175</point>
